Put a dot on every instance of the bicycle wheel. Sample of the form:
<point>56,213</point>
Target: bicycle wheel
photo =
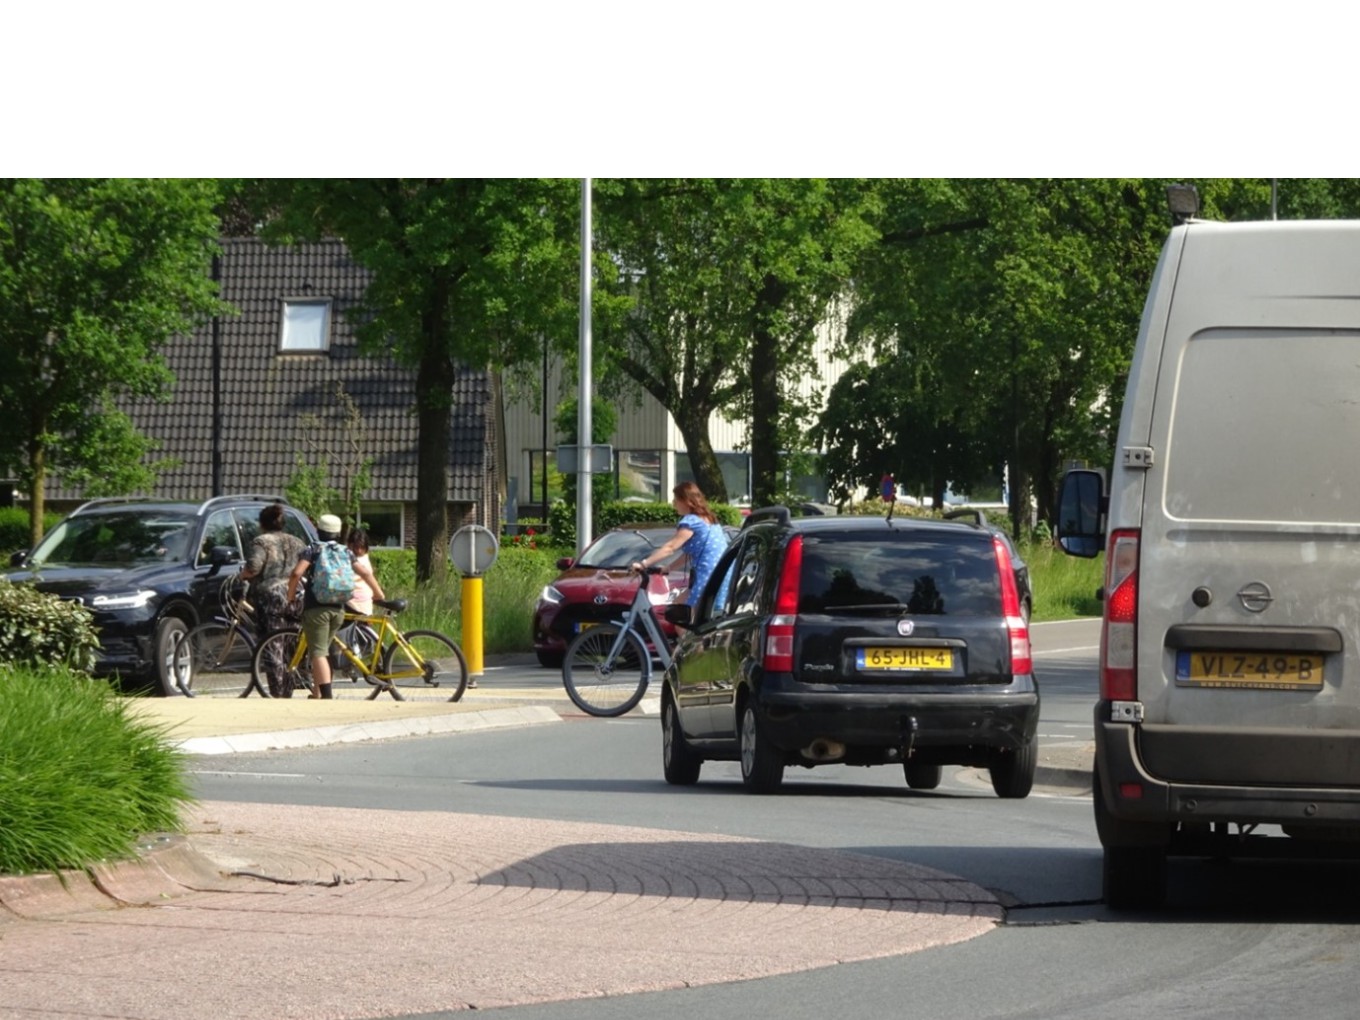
<point>429,659</point>
<point>211,658</point>
<point>273,660</point>
<point>601,686</point>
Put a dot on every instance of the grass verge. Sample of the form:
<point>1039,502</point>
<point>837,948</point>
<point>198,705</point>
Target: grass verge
<point>81,779</point>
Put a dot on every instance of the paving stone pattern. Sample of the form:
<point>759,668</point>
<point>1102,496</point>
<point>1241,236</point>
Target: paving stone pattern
<point>277,912</point>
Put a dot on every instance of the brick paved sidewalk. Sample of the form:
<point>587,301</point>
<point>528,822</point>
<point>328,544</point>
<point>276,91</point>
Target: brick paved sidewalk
<point>331,912</point>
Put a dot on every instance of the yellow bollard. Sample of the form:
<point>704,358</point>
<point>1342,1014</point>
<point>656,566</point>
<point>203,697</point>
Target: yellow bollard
<point>472,628</point>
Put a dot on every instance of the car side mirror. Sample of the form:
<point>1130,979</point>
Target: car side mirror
<point>17,559</point>
<point>565,563</point>
<point>1082,506</point>
<point>221,556</point>
<point>680,614</point>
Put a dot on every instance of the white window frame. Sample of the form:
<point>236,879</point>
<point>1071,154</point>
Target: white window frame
<point>300,330</point>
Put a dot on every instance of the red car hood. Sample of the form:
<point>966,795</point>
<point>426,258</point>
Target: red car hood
<point>584,583</point>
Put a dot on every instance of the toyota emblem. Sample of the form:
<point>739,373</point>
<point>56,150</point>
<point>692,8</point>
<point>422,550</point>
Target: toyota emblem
<point>905,627</point>
<point>601,600</point>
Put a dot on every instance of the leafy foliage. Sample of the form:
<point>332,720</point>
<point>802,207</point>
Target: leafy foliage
<point>14,529</point>
<point>718,287</point>
<point>40,629</point>
<point>993,326</point>
<point>95,277</point>
<point>466,272</point>
<point>83,777</point>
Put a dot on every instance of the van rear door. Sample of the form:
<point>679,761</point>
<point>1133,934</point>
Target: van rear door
<point>1249,555</point>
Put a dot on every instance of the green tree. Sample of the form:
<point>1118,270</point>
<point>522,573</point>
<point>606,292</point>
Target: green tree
<point>728,281</point>
<point>96,276</point>
<point>998,316</point>
<point>465,272</point>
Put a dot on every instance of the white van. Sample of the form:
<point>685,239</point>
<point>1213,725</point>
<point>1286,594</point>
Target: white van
<point>1230,650</point>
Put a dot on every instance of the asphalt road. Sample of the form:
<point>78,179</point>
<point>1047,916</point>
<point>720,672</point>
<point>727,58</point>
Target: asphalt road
<point>1271,937</point>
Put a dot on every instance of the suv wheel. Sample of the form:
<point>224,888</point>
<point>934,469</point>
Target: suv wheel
<point>762,766</point>
<point>168,632</point>
<point>679,763</point>
<point>1012,771</point>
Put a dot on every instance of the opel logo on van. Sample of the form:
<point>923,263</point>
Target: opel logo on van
<point>1255,597</point>
<point>905,627</point>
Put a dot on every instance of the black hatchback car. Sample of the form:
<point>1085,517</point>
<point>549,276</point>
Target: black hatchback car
<point>147,570</point>
<point>860,641</point>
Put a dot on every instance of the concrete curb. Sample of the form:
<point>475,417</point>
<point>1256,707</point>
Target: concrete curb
<point>382,729</point>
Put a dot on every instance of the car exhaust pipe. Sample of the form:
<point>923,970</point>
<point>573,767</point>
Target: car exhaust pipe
<point>823,749</point>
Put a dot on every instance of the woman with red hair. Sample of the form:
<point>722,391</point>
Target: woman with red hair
<point>700,536</point>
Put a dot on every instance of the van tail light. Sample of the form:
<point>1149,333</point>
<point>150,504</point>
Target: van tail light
<point>1022,658</point>
<point>779,632</point>
<point>1119,632</point>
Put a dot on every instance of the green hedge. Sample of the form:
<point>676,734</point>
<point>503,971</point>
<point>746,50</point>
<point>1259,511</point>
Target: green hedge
<point>14,529</point>
<point>562,517</point>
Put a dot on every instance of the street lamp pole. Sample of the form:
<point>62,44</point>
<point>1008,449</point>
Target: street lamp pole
<point>584,431</point>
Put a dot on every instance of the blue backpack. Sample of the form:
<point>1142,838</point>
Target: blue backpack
<point>333,574</point>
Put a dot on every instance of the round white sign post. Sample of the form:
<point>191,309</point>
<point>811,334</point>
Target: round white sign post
<point>473,549</point>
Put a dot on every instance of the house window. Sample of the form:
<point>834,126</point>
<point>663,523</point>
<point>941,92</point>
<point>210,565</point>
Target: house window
<point>306,325</point>
<point>382,521</point>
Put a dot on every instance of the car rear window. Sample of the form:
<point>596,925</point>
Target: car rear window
<point>953,576</point>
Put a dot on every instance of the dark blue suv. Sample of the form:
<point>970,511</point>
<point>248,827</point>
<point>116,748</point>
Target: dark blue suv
<point>148,570</point>
<point>860,641</point>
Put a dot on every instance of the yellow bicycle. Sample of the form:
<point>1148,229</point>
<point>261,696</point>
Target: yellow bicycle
<point>389,660</point>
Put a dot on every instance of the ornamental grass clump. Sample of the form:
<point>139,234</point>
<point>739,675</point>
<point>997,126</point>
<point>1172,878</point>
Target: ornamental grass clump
<point>81,777</point>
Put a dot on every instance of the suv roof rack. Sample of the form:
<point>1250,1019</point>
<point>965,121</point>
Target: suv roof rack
<point>90,504</point>
<point>236,497</point>
<point>778,514</point>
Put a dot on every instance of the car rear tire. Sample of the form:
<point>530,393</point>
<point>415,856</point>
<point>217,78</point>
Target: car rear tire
<point>1133,873</point>
<point>1012,771</point>
<point>921,776</point>
<point>169,631</point>
<point>552,660</point>
<point>679,763</point>
<point>762,766</point>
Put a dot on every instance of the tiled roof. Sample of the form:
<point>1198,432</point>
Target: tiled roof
<point>272,402</point>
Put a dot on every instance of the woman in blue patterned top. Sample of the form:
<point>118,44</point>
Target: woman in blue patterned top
<point>700,536</point>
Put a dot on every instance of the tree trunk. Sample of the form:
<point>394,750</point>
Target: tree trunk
<point>765,441</point>
<point>434,394</point>
<point>692,421</point>
<point>37,466</point>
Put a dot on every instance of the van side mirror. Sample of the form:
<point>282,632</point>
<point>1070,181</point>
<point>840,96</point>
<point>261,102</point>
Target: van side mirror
<point>1082,506</point>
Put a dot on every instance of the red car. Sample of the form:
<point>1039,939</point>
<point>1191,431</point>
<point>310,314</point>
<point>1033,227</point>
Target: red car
<point>597,588</point>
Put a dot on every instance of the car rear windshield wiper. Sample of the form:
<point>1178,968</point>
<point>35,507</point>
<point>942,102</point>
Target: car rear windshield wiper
<point>868,608</point>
